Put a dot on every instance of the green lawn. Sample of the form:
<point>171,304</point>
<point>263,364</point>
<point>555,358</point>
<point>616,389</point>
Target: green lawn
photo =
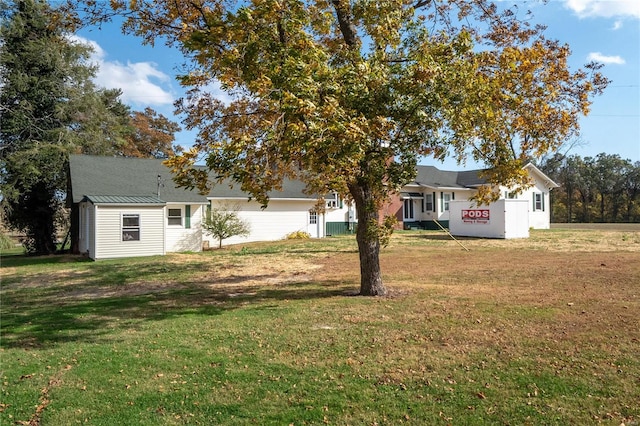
<point>508,333</point>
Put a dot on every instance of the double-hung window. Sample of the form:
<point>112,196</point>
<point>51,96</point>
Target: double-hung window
<point>313,217</point>
<point>538,201</point>
<point>130,227</point>
<point>428,202</point>
<point>446,199</point>
<point>174,217</point>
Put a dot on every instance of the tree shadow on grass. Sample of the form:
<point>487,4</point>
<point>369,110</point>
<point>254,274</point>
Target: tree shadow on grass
<point>57,317</point>
<point>14,260</point>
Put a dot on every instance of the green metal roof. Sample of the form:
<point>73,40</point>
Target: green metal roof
<point>125,199</point>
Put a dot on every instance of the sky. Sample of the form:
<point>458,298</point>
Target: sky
<point>606,31</point>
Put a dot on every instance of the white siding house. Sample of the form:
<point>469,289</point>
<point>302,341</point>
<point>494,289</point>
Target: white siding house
<point>430,196</point>
<point>129,226</point>
<point>123,207</point>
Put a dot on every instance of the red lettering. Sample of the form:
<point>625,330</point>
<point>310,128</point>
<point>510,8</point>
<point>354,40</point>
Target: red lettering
<point>476,214</point>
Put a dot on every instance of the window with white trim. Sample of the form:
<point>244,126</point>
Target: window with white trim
<point>428,202</point>
<point>335,202</point>
<point>446,198</point>
<point>313,217</point>
<point>174,217</point>
<point>130,227</point>
<point>538,201</point>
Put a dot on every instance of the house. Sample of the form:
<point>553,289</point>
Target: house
<point>428,198</point>
<point>123,207</point>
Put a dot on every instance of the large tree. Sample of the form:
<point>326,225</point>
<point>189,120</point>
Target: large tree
<point>349,94</point>
<point>49,107</point>
<point>152,136</point>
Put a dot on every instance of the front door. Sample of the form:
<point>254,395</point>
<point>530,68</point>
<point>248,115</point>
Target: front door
<point>409,210</point>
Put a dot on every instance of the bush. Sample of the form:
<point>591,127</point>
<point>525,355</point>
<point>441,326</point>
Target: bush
<point>298,235</point>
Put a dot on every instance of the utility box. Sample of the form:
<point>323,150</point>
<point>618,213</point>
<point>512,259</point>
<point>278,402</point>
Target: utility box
<point>501,219</point>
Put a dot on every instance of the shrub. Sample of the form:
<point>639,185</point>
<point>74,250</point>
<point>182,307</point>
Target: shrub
<point>298,235</point>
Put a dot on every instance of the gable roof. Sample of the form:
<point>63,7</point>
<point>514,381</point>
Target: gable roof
<point>120,178</point>
<point>433,177</point>
<point>546,180</point>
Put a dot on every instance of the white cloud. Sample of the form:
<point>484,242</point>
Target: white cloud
<point>604,8</point>
<point>140,82</point>
<point>599,57</point>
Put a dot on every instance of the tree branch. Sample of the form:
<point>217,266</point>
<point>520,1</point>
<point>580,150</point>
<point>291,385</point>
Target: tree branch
<point>345,20</point>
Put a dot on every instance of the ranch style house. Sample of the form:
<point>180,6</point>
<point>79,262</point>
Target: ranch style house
<point>126,207</point>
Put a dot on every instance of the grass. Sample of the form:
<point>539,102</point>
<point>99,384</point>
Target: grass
<point>538,331</point>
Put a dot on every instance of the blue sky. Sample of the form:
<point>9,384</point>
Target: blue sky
<point>607,31</point>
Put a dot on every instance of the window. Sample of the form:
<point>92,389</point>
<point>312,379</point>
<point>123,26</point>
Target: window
<point>174,217</point>
<point>511,195</point>
<point>446,198</point>
<point>130,227</point>
<point>313,217</point>
<point>428,201</point>
<point>538,201</point>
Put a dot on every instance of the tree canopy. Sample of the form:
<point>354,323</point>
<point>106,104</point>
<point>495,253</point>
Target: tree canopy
<point>151,136</point>
<point>348,95</point>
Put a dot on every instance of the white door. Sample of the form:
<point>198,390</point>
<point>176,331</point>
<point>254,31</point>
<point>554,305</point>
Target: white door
<point>314,224</point>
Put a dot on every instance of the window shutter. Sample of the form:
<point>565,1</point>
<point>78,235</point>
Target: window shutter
<point>434,202</point>
<point>542,197</point>
<point>453,196</point>
<point>534,202</point>
<point>187,216</point>
<point>441,201</point>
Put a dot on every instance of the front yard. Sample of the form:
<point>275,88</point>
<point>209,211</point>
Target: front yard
<point>538,331</point>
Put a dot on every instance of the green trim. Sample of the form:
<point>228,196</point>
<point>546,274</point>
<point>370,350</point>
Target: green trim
<point>340,228</point>
<point>187,216</point>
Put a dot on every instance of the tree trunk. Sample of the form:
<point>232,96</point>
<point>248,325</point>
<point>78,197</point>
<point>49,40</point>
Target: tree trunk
<point>368,240</point>
<point>40,227</point>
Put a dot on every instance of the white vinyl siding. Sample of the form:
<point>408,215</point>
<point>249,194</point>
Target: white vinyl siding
<point>188,236</point>
<point>280,218</point>
<point>109,232</point>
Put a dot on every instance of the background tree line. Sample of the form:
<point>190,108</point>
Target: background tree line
<point>50,108</point>
<point>604,188</point>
